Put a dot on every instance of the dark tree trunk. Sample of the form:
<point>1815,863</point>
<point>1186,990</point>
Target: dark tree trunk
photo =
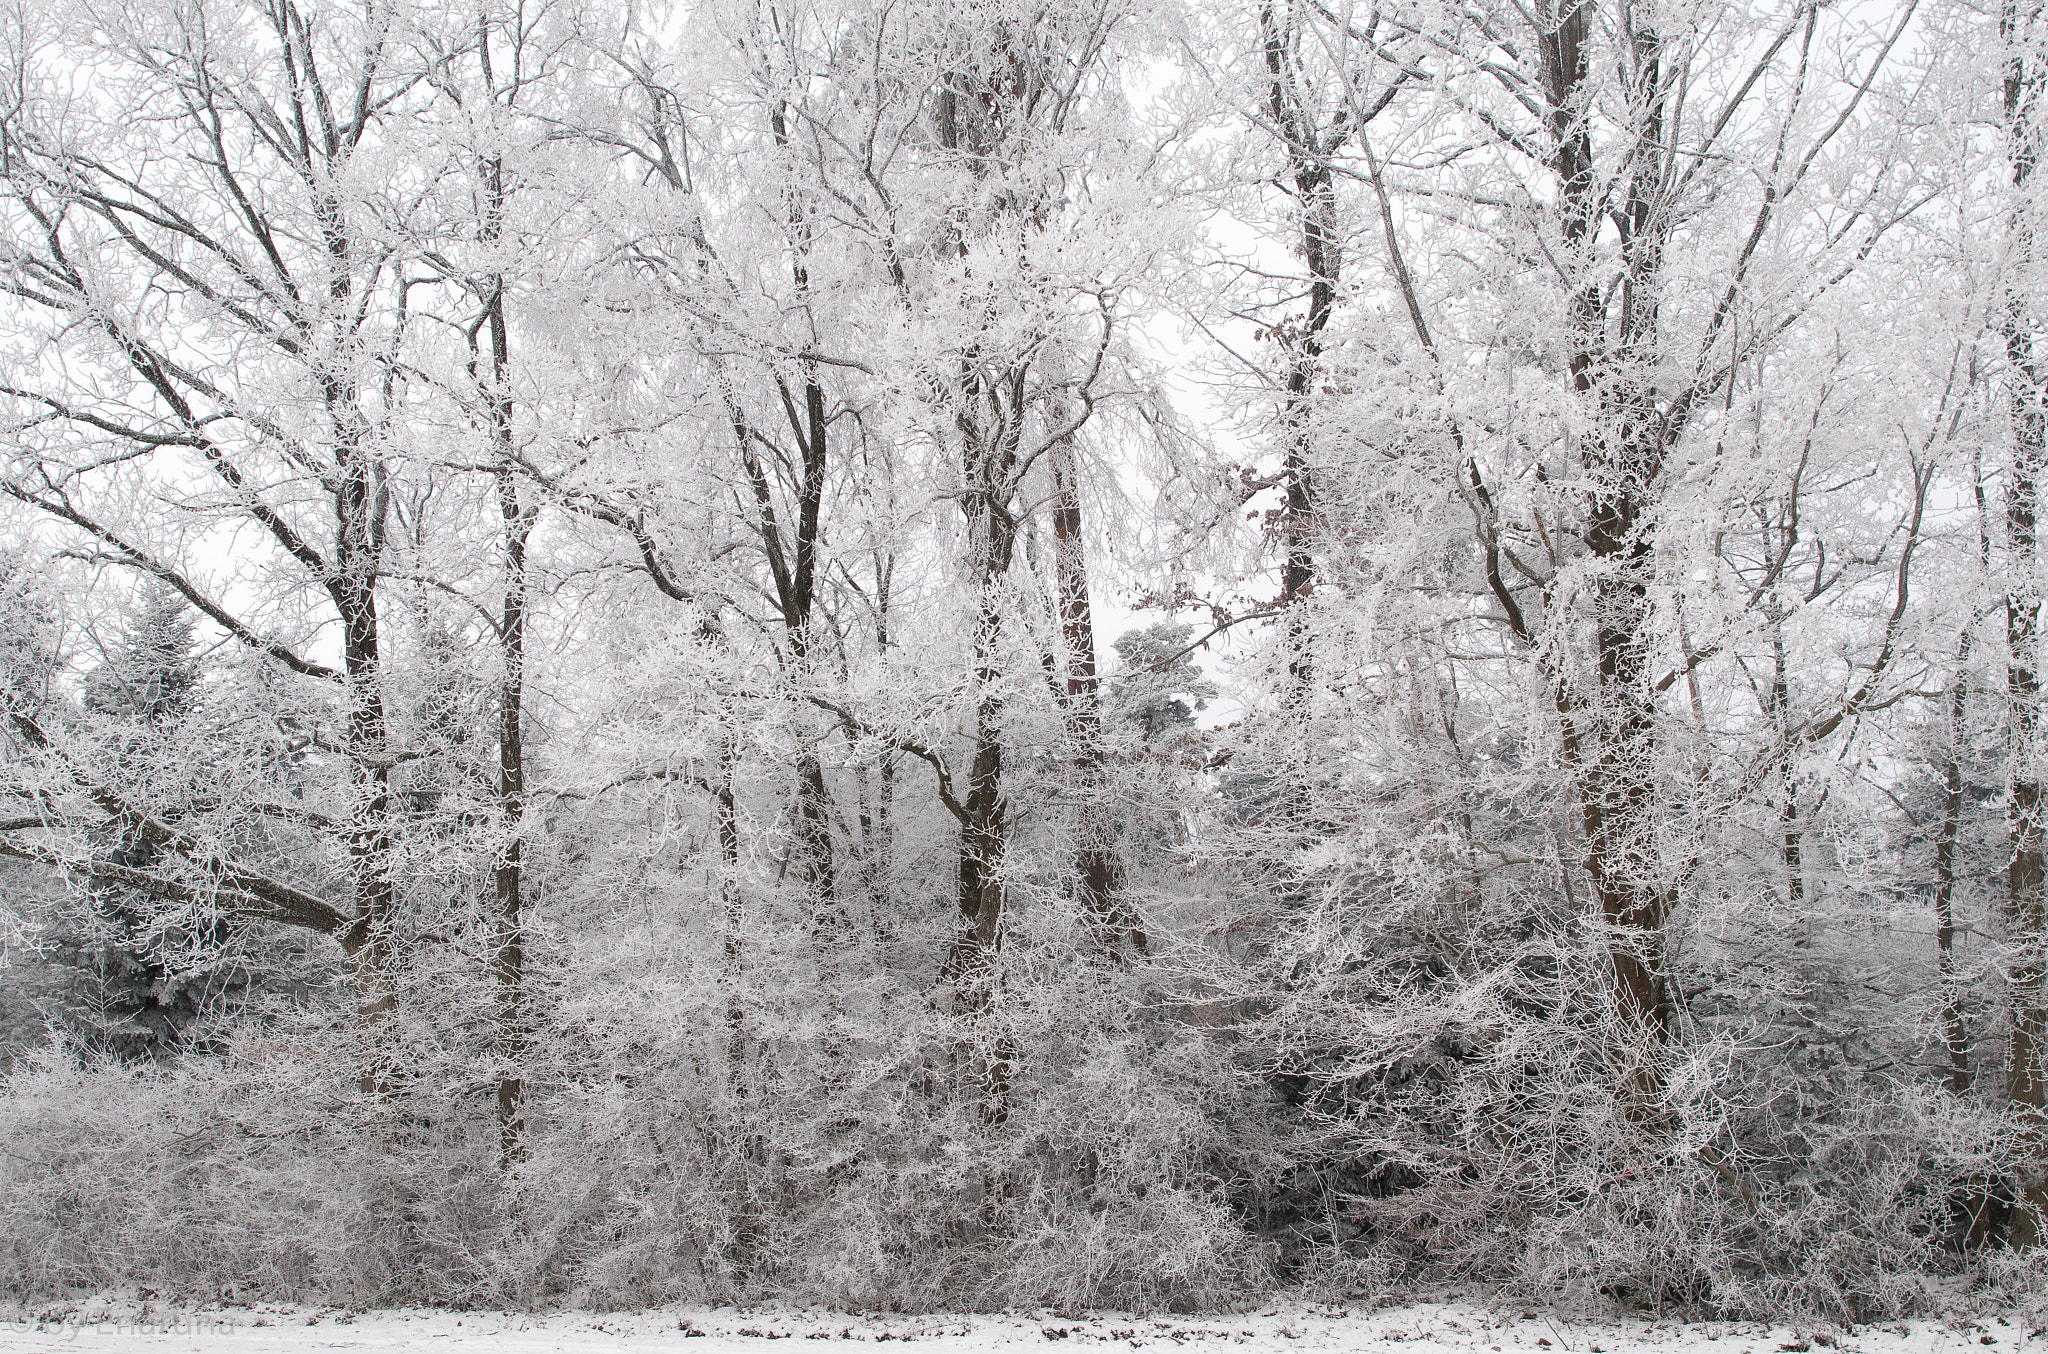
<point>509,962</point>
<point>2025,913</point>
<point>1308,147</point>
<point>878,830</point>
<point>360,505</point>
<point>1098,872</point>
<point>1954,1028</point>
<point>490,369</point>
<point>984,813</point>
<point>1610,721</point>
<point>797,585</point>
<point>744,1139</point>
<point>988,413</point>
<point>368,941</point>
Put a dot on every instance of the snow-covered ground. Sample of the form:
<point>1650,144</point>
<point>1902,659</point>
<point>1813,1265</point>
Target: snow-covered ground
<point>119,1324</point>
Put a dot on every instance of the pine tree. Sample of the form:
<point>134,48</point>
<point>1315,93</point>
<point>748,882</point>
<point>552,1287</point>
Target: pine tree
<point>141,985</point>
<point>1160,688</point>
<point>150,677</point>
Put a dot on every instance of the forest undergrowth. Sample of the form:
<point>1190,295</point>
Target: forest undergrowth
<point>1159,1169</point>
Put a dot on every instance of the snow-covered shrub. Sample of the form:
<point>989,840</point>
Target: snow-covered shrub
<point>1417,975</point>
<point>861,1172</point>
<point>195,1179</point>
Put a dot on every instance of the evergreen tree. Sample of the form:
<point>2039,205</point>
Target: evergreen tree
<point>27,638</point>
<point>150,677</point>
<point>142,985</point>
<point>1160,689</point>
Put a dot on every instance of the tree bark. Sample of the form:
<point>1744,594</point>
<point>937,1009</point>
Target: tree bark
<point>1098,873</point>
<point>2025,913</point>
<point>361,502</point>
<point>490,369</point>
<point>984,819</point>
<point>1955,1032</point>
<point>797,587</point>
<point>1307,147</point>
<point>990,410</point>
<point>1610,727</point>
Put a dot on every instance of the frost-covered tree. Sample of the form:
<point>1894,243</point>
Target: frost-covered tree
<point>1159,687</point>
<point>142,987</point>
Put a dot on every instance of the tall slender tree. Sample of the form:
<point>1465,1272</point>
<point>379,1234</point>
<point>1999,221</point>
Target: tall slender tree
<point>2026,875</point>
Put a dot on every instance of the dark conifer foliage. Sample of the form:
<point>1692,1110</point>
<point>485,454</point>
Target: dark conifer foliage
<point>143,983</point>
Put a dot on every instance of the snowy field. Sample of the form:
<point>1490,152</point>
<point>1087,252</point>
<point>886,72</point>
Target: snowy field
<point>127,1324</point>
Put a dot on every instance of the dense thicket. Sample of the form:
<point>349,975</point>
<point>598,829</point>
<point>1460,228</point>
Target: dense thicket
<point>561,741</point>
